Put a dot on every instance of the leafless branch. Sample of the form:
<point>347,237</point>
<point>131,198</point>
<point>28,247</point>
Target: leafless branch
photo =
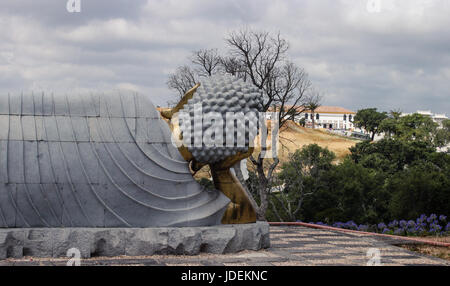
<point>182,80</point>
<point>207,62</point>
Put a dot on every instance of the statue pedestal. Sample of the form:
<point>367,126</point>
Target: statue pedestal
<point>55,242</point>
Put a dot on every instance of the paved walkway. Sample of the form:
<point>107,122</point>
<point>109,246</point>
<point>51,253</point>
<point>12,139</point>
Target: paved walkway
<point>290,246</point>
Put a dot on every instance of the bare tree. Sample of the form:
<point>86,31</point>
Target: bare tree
<point>312,102</point>
<point>204,62</point>
<point>261,56</point>
<point>258,58</point>
<point>182,80</point>
<point>207,62</point>
<point>233,66</point>
<point>288,86</point>
<point>286,204</point>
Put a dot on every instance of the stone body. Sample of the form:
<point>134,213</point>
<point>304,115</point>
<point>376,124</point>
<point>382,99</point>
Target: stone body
<point>95,161</point>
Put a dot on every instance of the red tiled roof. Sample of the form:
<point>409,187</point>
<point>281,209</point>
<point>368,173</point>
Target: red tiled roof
<point>333,109</point>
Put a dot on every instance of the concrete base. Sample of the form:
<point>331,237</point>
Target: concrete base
<point>55,242</point>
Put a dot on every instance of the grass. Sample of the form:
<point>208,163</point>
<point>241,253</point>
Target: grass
<point>293,137</point>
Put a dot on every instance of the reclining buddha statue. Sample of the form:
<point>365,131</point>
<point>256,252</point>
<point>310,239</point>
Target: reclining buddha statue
<point>110,160</point>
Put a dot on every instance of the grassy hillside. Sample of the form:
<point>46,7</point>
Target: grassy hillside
<point>293,137</point>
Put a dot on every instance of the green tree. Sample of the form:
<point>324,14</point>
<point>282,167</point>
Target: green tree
<point>446,124</point>
<point>389,126</point>
<point>352,192</point>
<point>302,121</point>
<point>369,119</point>
<point>390,155</point>
<point>421,188</point>
<point>398,177</point>
<point>299,178</point>
<point>442,136</point>
<point>416,127</point>
<point>380,181</point>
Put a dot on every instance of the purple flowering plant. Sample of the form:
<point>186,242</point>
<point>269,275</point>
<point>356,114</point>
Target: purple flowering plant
<point>422,226</point>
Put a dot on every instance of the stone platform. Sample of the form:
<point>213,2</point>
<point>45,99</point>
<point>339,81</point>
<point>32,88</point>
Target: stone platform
<point>92,242</point>
<point>289,246</point>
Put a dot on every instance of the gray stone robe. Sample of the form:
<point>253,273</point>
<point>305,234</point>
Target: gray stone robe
<point>95,161</point>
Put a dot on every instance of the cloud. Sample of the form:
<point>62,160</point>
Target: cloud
<point>395,58</point>
<point>54,12</point>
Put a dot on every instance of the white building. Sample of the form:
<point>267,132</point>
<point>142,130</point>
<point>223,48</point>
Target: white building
<point>330,117</point>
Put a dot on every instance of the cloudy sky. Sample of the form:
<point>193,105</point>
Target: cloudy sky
<point>391,54</point>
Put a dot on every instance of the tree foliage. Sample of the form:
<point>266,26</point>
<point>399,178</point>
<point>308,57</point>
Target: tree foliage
<point>416,127</point>
<point>369,119</point>
<point>298,179</point>
<point>400,176</point>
